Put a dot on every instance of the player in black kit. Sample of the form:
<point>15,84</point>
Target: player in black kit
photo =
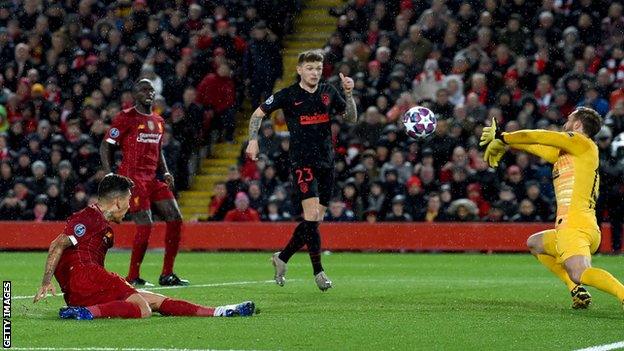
<point>307,106</point>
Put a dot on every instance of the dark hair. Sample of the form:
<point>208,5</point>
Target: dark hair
<point>114,185</point>
<point>591,120</point>
<point>310,56</point>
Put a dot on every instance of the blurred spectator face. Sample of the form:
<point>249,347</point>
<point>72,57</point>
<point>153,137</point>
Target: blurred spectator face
<point>224,70</point>
<point>376,190</point>
<point>5,171</point>
<point>53,191</point>
<point>38,172</point>
<point>398,208</point>
<point>336,208</point>
<point>269,172</point>
<point>442,127</point>
<point>433,203</point>
<point>522,160</point>
<point>383,54</point>
<point>533,191</point>
<point>254,191</point>
<point>427,174</point>
<point>442,96</point>
<point>381,103</point>
<point>414,33</point>
<point>514,174</point>
<point>348,191</point>
<point>391,177</point>
<point>495,214</point>
<point>23,161</point>
<point>506,195</point>
<point>22,52</point>
<point>20,190</point>
<point>382,152</point>
<point>486,19</point>
<point>64,173</point>
<point>526,207</point>
<point>220,191</point>
<point>372,115</point>
<point>460,157</point>
<point>241,202</point>
<point>397,158</point>
<point>189,96</point>
<point>285,144</point>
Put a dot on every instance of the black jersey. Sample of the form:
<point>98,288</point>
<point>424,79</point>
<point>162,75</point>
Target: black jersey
<point>308,120</point>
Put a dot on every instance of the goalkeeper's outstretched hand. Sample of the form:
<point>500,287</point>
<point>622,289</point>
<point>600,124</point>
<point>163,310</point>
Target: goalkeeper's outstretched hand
<point>490,133</point>
<point>494,152</point>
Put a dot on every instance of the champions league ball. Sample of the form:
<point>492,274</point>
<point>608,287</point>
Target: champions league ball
<point>419,122</point>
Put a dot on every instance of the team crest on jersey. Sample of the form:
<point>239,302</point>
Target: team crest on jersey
<point>269,100</point>
<point>150,125</point>
<point>304,187</point>
<point>114,132</point>
<point>325,99</point>
<point>80,230</point>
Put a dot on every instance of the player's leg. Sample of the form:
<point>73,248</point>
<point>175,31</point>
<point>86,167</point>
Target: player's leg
<point>143,220</point>
<point>543,247</point>
<point>167,306</point>
<point>575,249</point>
<point>96,293</point>
<point>308,191</point>
<point>322,280</point>
<point>168,209</point>
<point>325,179</point>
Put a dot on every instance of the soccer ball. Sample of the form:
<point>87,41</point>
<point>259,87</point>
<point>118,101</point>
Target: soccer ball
<point>419,122</point>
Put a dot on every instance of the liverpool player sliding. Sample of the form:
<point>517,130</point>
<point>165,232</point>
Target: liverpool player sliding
<point>138,132</point>
<point>76,258</point>
<point>307,106</point>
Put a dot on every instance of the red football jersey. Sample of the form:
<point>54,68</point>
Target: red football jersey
<point>91,236</point>
<point>140,138</point>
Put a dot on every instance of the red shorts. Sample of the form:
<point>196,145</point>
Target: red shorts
<point>91,285</point>
<point>147,191</point>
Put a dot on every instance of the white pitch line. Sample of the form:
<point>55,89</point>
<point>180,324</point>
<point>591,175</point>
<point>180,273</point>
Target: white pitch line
<point>182,287</point>
<point>606,347</point>
<point>105,349</point>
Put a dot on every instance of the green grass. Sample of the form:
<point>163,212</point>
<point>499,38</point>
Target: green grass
<point>380,302</point>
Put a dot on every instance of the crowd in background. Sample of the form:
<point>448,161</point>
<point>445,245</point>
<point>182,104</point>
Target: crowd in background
<point>68,67</point>
<point>526,63</point>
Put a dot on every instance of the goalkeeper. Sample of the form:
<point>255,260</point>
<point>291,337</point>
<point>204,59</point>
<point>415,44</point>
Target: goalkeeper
<point>565,250</point>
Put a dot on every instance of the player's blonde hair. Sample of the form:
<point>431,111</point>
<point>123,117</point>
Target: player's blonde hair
<point>310,56</point>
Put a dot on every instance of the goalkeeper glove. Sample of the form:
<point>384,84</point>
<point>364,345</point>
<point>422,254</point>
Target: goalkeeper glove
<point>490,133</point>
<point>494,152</point>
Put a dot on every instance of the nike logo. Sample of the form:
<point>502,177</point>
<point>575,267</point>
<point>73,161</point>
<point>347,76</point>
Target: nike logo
<point>298,103</point>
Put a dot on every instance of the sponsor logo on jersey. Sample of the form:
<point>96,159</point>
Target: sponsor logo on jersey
<point>114,132</point>
<point>304,187</point>
<point>269,100</point>
<point>150,138</point>
<point>325,99</point>
<point>314,119</point>
<point>80,230</point>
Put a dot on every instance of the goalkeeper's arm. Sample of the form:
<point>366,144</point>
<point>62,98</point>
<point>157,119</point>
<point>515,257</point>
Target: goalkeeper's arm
<point>572,143</point>
<point>548,153</point>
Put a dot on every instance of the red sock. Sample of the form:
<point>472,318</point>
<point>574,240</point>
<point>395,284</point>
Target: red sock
<point>115,309</point>
<point>172,242</point>
<point>141,239</point>
<point>173,307</point>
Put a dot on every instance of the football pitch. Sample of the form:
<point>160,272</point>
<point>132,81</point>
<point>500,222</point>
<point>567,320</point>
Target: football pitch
<point>379,302</point>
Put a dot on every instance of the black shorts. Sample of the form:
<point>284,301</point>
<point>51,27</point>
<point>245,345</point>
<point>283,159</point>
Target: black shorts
<point>310,181</point>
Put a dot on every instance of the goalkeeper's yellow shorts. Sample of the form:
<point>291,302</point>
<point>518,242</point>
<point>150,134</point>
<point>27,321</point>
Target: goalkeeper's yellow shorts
<point>567,242</point>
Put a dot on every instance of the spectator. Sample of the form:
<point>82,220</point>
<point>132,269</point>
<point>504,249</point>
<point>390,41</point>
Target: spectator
<point>433,212</point>
<point>273,212</point>
<point>338,212</point>
<point>219,203</point>
<point>398,214</point>
<point>526,213</point>
<point>262,63</point>
<point>11,208</point>
<point>463,210</point>
<point>217,91</point>
<point>242,212</point>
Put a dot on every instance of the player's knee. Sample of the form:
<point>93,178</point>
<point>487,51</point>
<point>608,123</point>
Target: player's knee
<point>575,275</point>
<point>146,310</point>
<point>534,243</point>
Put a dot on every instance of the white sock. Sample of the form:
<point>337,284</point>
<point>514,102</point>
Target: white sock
<point>220,310</point>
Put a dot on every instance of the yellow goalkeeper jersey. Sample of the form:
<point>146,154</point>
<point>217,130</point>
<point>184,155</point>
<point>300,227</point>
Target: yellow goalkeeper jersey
<point>575,172</point>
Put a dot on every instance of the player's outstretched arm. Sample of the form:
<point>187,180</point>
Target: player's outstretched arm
<point>254,126</point>
<point>548,153</point>
<point>572,143</point>
<point>107,154</point>
<point>350,109</point>
<point>55,251</point>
